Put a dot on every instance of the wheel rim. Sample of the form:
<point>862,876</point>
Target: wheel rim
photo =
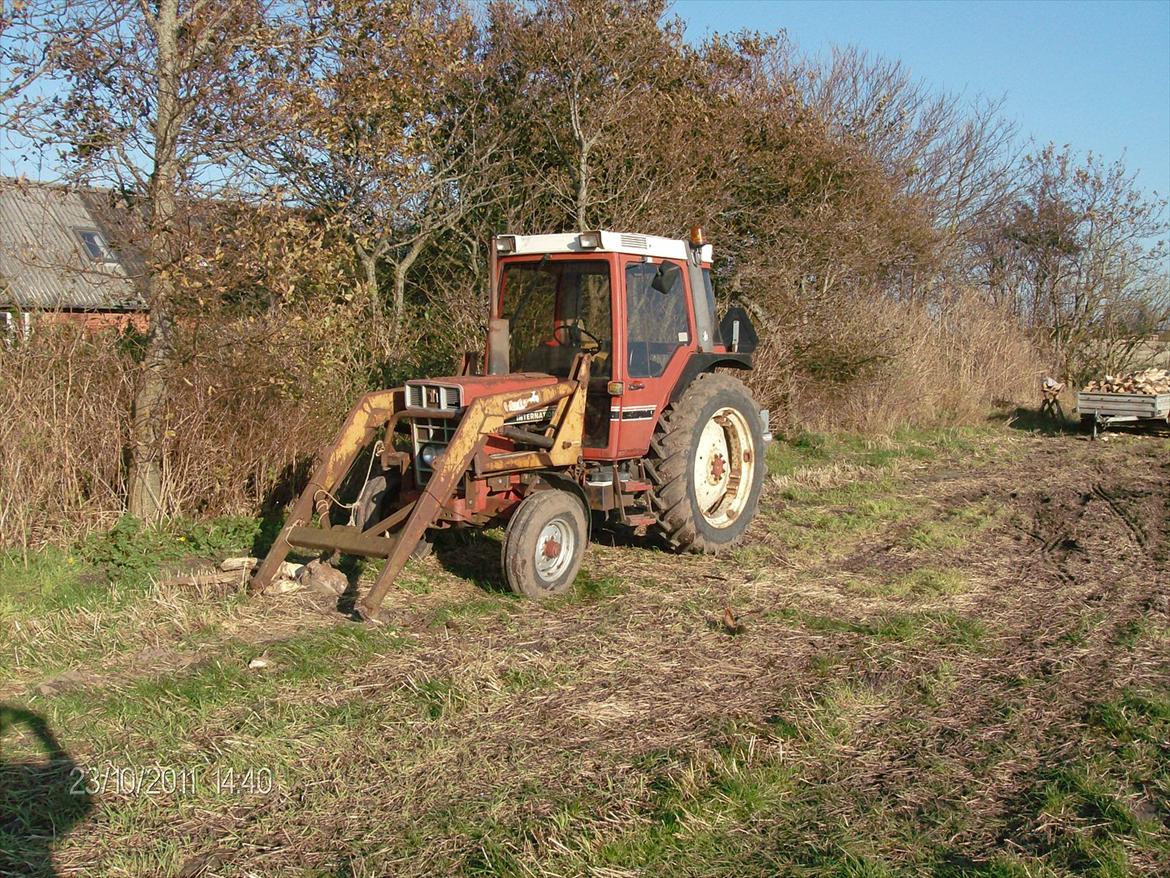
<point>724,467</point>
<point>554,549</point>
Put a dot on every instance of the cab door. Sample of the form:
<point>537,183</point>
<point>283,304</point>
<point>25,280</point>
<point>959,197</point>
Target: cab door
<point>656,341</point>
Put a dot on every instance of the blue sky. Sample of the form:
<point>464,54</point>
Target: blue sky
<point>1095,75</point>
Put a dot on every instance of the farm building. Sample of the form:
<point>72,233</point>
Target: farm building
<point>58,262</point>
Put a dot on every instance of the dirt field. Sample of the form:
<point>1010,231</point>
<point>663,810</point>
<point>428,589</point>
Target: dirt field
<point>952,658</point>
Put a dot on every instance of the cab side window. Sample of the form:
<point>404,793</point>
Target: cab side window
<point>656,316</point>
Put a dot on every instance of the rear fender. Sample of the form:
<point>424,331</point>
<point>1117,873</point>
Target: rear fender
<point>706,362</point>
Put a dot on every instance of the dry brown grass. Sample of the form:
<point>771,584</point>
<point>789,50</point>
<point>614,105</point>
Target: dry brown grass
<point>927,370</point>
<point>624,732</point>
<point>63,419</point>
<point>250,402</point>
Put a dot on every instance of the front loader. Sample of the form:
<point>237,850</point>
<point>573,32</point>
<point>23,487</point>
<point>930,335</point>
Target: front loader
<point>600,401</point>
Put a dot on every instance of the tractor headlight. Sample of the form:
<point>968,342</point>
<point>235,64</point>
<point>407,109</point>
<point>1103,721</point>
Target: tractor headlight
<point>429,454</point>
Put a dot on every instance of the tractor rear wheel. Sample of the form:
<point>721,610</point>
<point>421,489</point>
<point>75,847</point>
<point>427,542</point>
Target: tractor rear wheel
<point>706,465</point>
<point>544,544</point>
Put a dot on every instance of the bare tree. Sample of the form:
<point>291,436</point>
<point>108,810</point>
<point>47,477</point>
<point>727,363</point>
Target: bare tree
<point>956,158</point>
<point>593,87</point>
<point>150,107</point>
<point>1078,259</point>
<point>34,37</point>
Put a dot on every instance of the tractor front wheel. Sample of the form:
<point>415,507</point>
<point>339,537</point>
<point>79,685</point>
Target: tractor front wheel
<point>706,464</point>
<point>544,544</point>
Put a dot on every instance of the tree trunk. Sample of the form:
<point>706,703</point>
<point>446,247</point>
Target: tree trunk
<point>369,283</point>
<point>400,269</point>
<point>372,295</point>
<point>582,187</point>
<point>584,145</point>
<point>145,490</point>
<point>148,430</point>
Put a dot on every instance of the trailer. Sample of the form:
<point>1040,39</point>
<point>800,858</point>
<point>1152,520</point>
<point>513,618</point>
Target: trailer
<point>1103,409</point>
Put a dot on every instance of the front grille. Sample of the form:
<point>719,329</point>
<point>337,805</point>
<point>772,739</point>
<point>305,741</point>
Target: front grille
<point>634,241</point>
<point>441,397</point>
<point>429,431</point>
<point>432,431</point>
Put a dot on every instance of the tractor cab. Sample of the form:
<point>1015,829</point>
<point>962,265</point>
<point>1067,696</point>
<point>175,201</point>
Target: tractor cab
<point>640,306</point>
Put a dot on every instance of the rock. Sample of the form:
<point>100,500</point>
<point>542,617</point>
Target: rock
<point>289,569</point>
<point>323,578</point>
<point>237,563</point>
<point>284,585</point>
<point>258,664</point>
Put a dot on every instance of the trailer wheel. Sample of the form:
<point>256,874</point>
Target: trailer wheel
<point>706,463</point>
<point>544,544</point>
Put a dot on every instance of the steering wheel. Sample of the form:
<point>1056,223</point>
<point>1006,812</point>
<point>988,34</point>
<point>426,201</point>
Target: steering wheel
<point>581,330</point>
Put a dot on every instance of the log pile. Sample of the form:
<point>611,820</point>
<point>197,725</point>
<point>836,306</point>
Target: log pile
<point>1148,382</point>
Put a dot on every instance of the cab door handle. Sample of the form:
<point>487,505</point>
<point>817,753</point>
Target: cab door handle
<point>636,385</point>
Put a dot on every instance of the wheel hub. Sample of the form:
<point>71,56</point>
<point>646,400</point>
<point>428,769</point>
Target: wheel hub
<point>724,467</point>
<point>554,550</point>
<point>718,467</point>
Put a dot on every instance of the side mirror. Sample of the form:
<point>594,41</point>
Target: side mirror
<point>737,331</point>
<point>666,278</point>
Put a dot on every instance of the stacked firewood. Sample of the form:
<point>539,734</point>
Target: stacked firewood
<point>1148,382</point>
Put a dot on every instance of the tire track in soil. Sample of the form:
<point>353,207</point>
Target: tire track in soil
<point>1056,589</point>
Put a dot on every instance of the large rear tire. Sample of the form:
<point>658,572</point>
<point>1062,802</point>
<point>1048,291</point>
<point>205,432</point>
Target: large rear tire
<point>706,465</point>
<point>544,544</point>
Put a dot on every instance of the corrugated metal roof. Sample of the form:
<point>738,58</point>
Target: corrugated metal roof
<point>44,262</point>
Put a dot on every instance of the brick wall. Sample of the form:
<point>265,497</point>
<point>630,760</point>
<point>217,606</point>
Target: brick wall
<point>98,321</point>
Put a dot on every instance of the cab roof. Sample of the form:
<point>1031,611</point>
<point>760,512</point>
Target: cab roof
<point>611,242</point>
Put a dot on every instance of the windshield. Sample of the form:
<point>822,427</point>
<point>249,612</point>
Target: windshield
<point>557,309</point>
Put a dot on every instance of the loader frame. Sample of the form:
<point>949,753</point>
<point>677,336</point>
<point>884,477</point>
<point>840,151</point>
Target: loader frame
<point>466,460</point>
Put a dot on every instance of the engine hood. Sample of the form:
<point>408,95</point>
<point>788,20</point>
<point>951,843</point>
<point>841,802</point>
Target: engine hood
<point>426,392</point>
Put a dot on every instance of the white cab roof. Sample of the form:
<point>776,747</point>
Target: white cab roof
<point>613,242</point>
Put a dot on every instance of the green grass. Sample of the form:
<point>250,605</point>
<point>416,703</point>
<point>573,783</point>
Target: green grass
<point>590,587</point>
<point>496,605</point>
<point>107,570</point>
<point>809,449</point>
<point>162,711</point>
<point>812,527</point>
<point>438,698</point>
<point>1089,796</point>
<point>926,628</point>
<point>956,527</point>
<point>924,582</point>
<point>49,580</point>
<point>73,606</point>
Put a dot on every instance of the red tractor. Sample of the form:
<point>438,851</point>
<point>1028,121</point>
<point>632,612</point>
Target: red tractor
<point>597,399</point>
